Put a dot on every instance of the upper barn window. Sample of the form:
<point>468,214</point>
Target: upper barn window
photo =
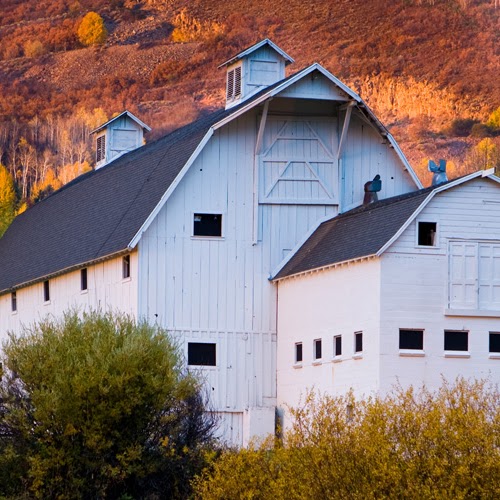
<point>207,225</point>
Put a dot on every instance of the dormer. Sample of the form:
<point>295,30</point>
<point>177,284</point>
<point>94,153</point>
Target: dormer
<point>121,134</point>
<point>257,67</point>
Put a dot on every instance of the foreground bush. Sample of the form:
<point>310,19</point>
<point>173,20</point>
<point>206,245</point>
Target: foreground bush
<point>410,444</point>
<point>99,407</point>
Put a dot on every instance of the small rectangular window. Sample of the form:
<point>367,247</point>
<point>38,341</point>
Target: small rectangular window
<point>427,234</point>
<point>83,279</point>
<point>317,349</point>
<point>456,340</point>
<point>337,345</point>
<point>411,339</point>
<point>495,342</point>
<point>13,301</point>
<point>207,225</point>
<point>298,352</point>
<point>46,291</point>
<point>201,354</point>
<point>126,267</point>
<point>358,342</point>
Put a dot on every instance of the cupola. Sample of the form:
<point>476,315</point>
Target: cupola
<point>253,69</point>
<point>121,134</point>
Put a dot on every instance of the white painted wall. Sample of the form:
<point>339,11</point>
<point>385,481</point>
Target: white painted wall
<point>414,291</point>
<point>321,305</point>
<point>106,290</point>
<point>364,156</point>
<point>216,289</point>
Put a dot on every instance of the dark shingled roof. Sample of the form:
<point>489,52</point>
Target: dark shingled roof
<point>360,232</point>
<point>99,213</point>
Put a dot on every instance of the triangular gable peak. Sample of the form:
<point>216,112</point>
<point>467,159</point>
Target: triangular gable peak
<point>254,69</point>
<point>121,134</point>
<point>364,232</point>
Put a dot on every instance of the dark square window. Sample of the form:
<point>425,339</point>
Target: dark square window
<point>337,345</point>
<point>46,291</point>
<point>411,339</point>
<point>358,342</point>
<point>83,279</point>
<point>13,301</point>
<point>427,234</point>
<point>456,340</point>
<point>207,225</point>
<point>201,354</point>
<point>126,267</point>
<point>317,349</point>
<point>298,352</point>
<point>494,342</point>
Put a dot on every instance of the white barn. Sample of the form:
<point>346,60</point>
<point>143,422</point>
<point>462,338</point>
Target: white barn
<point>187,231</point>
<point>404,291</point>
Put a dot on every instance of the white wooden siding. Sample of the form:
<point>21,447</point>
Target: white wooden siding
<point>416,282</point>
<point>364,156</point>
<point>315,87</point>
<point>216,289</point>
<point>106,291</point>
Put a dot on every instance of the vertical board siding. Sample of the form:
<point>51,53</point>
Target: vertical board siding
<point>415,289</point>
<point>107,291</point>
<point>365,155</point>
<point>217,288</point>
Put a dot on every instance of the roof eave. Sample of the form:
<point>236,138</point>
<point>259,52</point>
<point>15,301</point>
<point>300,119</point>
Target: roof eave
<point>325,267</point>
<point>66,270</point>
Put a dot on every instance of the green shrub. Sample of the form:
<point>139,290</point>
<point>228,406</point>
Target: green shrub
<point>99,406</point>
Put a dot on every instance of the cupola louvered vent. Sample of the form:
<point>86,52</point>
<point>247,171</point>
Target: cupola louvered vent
<point>101,148</point>
<point>234,83</point>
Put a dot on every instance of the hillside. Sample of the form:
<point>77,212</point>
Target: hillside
<point>428,68</point>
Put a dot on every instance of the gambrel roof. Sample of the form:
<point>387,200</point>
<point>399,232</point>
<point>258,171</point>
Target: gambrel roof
<point>365,231</point>
<point>104,213</point>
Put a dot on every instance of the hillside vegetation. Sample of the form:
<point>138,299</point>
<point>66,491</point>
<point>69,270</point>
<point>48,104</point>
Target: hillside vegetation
<point>428,68</point>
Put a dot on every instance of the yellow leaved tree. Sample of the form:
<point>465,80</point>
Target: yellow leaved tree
<point>92,30</point>
<point>7,199</point>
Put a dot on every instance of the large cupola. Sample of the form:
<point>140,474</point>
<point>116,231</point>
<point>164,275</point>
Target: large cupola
<point>253,69</point>
<point>121,134</point>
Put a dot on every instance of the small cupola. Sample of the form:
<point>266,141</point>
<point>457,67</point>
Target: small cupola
<point>253,69</point>
<point>121,134</point>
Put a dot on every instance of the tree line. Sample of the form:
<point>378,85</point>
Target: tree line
<point>40,156</point>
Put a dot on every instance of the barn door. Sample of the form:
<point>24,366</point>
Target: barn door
<point>489,276</point>
<point>297,164</point>
<point>463,275</point>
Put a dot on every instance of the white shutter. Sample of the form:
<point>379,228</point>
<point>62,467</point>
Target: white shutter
<point>489,276</point>
<point>463,275</point>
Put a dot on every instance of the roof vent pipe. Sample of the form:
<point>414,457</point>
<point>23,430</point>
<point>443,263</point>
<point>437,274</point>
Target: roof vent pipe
<point>371,190</point>
<point>439,171</point>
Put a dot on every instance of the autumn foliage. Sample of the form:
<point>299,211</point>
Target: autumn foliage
<point>92,30</point>
<point>410,444</point>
